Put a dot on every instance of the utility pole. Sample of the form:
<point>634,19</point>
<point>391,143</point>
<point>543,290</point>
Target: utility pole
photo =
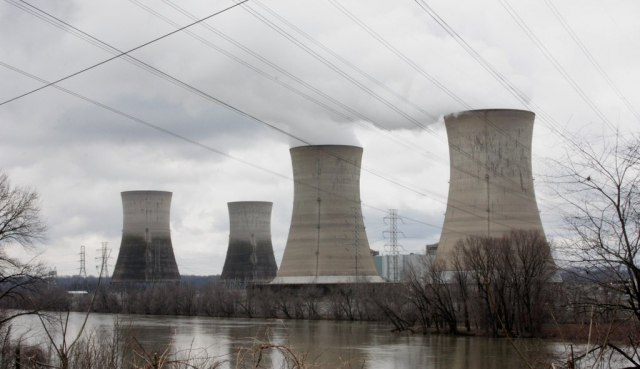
<point>393,248</point>
<point>103,259</point>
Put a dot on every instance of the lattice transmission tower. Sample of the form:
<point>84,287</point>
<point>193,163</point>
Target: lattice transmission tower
<point>393,247</point>
<point>83,270</point>
<point>103,260</point>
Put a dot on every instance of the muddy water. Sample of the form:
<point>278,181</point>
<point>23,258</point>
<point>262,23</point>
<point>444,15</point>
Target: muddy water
<point>328,344</point>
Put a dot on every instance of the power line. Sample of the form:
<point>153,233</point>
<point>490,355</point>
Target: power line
<point>499,77</point>
<point>343,60</point>
<point>180,83</point>
<point>164,75</point>
<point>83,35</point>
<point>364,88</point>
<point>121,54</point>
<point>183,138</point>
<point>591,58</point>
<point>567,77</point>
<point>399,140</point>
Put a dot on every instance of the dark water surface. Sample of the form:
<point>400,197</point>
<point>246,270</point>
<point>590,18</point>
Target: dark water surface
<point>330,344</point>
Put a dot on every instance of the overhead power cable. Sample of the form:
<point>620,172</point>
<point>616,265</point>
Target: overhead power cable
<point>190,88</point>
<point>124,53</point>
<point>190,141</point>
<point>591,58</point>
<point>338,70</point>
<point>565,75</point>
<point>421,71</point>
<point>399,140</point>
<point>415,66</point>
<point>83,35</point>
<point>527,102</point>
<point>182,84</point>
<point>545,118</point>
<point>343,60</point>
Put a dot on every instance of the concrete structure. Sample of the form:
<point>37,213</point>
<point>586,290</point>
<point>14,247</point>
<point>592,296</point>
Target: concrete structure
<point>146,252</point>
<point>250,253</point>
<point>491,184</point>
<point>327,242</point>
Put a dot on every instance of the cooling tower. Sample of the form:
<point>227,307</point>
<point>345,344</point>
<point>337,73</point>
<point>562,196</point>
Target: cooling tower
<point>327,241</point>
<point>250,253</point>
<point>146,253</point>
<point>491,184</point>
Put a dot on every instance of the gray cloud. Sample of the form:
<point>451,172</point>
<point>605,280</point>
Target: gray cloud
<point>79,156</point>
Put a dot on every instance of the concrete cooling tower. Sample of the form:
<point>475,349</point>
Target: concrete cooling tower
<point>491,184</point>
<point>327,242</point>
<point>146,252</point>
<point>250,253</point>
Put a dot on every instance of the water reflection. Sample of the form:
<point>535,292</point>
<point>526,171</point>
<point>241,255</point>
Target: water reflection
<point>327,343</point>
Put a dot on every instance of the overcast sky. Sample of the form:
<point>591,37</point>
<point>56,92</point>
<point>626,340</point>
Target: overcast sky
<point>335,83</point>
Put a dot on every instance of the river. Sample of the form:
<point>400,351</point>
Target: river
<point>329,344</point>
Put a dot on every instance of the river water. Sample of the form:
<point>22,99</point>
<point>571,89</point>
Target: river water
<point>329,344</point>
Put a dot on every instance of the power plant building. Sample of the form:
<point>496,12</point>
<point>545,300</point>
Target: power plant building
<point>327,243</point>
<point>491,184</point>
<point>406,264</point>
<point>250,253</point>
<point>146,251</point>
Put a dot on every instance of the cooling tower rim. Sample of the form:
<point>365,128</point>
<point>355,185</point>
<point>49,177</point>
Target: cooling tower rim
<point>141,192</point>
<point>249,202</point>
<point>324,146</point>
<point>466,113</point>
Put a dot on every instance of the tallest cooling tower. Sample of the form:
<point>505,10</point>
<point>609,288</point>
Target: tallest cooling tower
<point>491,184</point>
<point>327,242</point>
<point>146,252</point>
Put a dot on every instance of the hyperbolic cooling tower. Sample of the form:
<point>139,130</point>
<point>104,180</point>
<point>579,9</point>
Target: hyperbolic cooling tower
<point>146,253</point>
<point>491,184</point>
<point>327,241</point>
<point>250,253</point>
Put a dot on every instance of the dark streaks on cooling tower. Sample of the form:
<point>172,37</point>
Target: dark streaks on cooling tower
<point>250,252</point>
<point>146,251</point>
<point>491,184</point>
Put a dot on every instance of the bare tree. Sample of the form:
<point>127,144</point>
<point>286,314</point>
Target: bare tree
<point>20,224</point>
<point>510,276</point>
<point>531,269</point>
<point>441,292</point>
<point>20,219</point>
<point>419,296</point>
<point>600,183</point>
<point>461,276</point>
<point>479,255</point>
<point>602,190</point>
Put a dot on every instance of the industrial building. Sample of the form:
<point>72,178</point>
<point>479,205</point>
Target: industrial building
<point>250,252</point>
<point>327,243</point>
<point>146,251</point>
<point>396,268</point>
<point>491,184</point>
